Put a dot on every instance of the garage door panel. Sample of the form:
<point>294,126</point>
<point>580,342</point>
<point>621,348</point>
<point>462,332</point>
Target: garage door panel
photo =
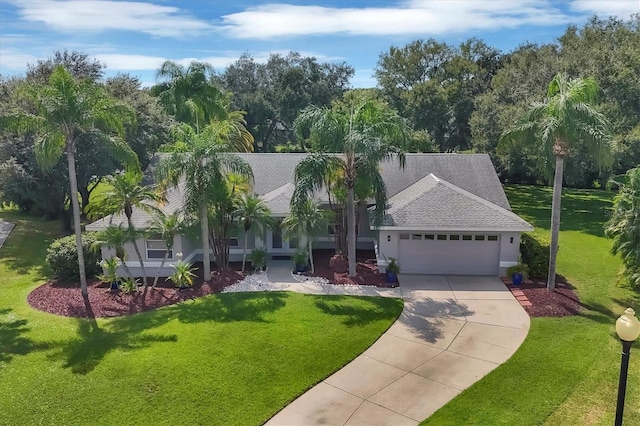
<point>464,257</point>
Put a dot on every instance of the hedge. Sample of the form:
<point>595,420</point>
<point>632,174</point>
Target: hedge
<point>534,250</point>
<point>62,256</point>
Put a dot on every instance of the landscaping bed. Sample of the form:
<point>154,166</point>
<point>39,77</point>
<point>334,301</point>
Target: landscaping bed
<point>366,269</point>
<point>65,297</point>
<point>562,302</point>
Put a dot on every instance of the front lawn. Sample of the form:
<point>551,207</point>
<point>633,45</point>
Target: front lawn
<point>222,359</point>
<point>566,372</point>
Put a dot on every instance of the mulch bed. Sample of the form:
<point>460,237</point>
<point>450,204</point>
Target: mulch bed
<point>366,269</point>
<point>65,298</point>
<point>562,302</point>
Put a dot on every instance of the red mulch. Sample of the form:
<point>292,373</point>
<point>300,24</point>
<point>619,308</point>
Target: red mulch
<point>65,298</point>
<point>562,302</point>
<point>366,269</point>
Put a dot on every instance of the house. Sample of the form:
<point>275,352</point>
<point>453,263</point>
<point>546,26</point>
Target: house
<point>447,214</point>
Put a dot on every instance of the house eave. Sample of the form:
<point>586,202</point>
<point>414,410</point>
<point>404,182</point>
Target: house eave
<point>441,229</point>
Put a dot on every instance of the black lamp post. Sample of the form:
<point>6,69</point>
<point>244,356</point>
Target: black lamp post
<point>628,329</point>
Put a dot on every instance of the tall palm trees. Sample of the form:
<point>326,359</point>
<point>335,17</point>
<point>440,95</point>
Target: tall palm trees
<point>63,110</point>
<point>363,136</point>
<point>202,160</point>
<point>555,127</point>
<point>251,212</point>
<point>126,192</point>
<point>188,94</point>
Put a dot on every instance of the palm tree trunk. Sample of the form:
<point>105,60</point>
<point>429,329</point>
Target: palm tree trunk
<point>71,161</point>
<point>555,222</point>
<point>310,243</point>
<point>126,268</point>
<point>164,259</point>
<point>244,253</point>
<point>137,250</point>
<point>204,234</point>
<point>351,227</point>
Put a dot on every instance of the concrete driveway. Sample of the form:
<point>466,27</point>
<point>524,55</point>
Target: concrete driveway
<point>5,230</point>
<point>452,332</point>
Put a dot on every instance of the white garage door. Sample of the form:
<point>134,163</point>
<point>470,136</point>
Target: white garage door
<point>464,254</point>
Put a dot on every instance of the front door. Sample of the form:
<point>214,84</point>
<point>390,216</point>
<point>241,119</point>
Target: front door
<point>277,241</point>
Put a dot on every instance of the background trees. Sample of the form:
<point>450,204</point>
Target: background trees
<point>272,94</point>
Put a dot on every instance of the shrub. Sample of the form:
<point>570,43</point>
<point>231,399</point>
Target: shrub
<point>62,256</point>
<point>534,250</point>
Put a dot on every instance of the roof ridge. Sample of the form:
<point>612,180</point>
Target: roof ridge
<point>408,201</point>
<point>481,200</point>
<point>282,189</point>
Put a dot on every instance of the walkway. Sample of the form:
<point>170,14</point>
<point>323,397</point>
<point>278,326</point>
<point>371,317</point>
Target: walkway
<point>452,332</point>
<point>5,230</point>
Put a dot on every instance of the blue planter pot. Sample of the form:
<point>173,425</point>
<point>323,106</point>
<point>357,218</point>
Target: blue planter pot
<point>392,277</point>
<point>300,269</point>
<point>516,279</point>
<point>115,286</point>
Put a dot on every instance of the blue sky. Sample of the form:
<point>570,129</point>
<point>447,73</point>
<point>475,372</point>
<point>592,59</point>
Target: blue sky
<point>137,36</point>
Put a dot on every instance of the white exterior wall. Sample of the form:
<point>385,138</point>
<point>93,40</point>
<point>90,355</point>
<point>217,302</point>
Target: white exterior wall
<point>509,250</point>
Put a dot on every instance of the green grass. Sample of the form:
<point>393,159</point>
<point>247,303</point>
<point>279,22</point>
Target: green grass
<point>223,359</point>
<point>566,371</point>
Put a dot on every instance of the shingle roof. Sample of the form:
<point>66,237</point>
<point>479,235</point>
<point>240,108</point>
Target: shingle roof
<point>279,199</point>
<point>435,204</point>
<point>274,172</point>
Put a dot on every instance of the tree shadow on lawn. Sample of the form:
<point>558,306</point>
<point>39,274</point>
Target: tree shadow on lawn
<point>93,342</point>
<point>13,340</point>
<point>377,308</point>
<point>583,210</point>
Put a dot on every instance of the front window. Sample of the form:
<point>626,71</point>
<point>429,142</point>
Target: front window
<point>233,237</point>
<point>157,248</point>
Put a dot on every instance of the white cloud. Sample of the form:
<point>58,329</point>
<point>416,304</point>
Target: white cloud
<point>12,61</point>
<point>619,8</point>
<point>104,15</point>
<point>411,17</point>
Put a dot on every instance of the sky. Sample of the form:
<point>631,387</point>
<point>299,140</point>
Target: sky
<point>135,37</point>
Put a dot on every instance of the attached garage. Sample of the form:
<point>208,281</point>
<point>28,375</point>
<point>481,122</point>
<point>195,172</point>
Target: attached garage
<point>435,227</point>
<point>449,253</point>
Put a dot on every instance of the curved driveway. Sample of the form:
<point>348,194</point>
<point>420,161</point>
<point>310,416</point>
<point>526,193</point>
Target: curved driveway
<point>452,332</point>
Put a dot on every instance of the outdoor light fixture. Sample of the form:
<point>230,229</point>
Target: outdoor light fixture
<point>628,329</point>
<point>388,237</point>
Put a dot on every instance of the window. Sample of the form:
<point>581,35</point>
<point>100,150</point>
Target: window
<point>442,237</point>
<point>156,248</point>
<point>404,236</point>
<point>454,237</point>
<point>492,238</point>
<point>467,238</point>
<point>416,236</point>
<point>233,237</point>
<point>331,229</point>
<point>429,237</point>
<point>479,237</point>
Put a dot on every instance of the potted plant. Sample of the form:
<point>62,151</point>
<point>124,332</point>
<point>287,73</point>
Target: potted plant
<point>518,272</point>
<point>300,259</point>
<point>110,276</point>
<point>258,259</point>
<point>392,270</point>
<point>183,274</point>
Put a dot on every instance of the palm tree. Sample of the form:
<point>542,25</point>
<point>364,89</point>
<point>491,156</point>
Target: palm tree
<point>363,136</point>
<point>167,227</point>
<point>553,129</point>
<point>624,224</point>
<point>251,212</point>
<point>307,219</point>
<point>124,194</point>
<point>64,110</point>
<point>187,93</point>
<point>202,160</point>
<point>115,237</point>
